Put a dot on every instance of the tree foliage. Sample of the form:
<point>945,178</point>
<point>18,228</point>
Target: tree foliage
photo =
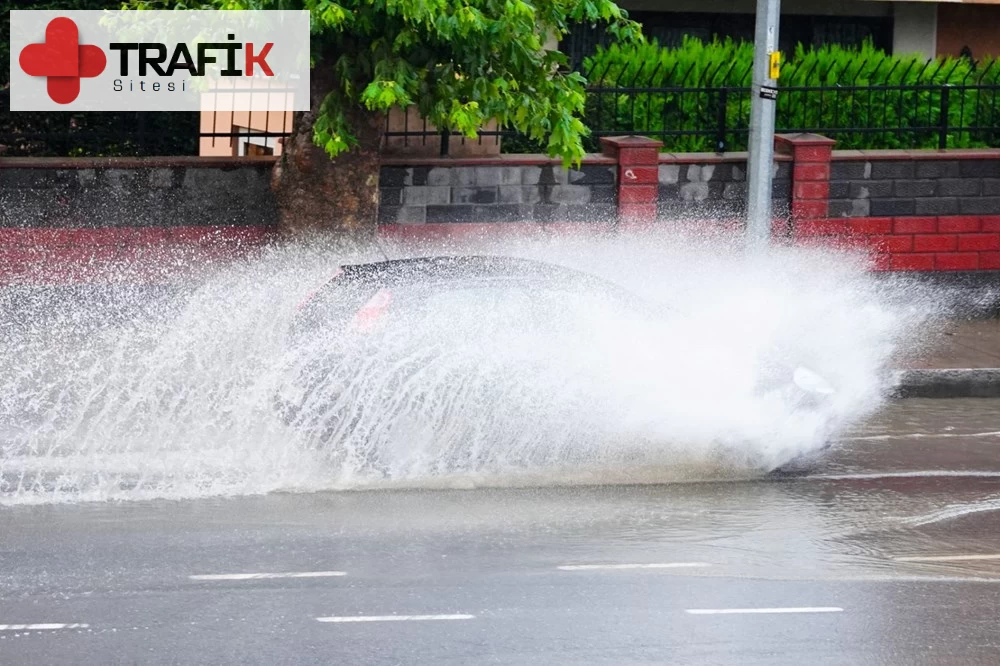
<point>462,63</point>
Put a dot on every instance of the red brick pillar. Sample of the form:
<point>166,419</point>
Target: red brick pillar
<point>810,174</point>
<point>638,178</point>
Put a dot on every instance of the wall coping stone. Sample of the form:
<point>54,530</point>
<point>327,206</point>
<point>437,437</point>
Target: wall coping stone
<point>134,162</point>
<point>527,159</point>
<point>921,154</point>
<point>631,141</point>
<point>713,158</point>
<point>787,144</point>
<point>804,139</point>
<point>504,159</point>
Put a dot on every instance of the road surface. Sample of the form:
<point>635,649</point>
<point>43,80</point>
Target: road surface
<point>886,554</point>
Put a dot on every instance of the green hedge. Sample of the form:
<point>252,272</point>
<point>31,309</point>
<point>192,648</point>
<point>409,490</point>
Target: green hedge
<point>864,98</point>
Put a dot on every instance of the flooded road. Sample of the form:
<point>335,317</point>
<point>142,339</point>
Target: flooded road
<point>887,552</point>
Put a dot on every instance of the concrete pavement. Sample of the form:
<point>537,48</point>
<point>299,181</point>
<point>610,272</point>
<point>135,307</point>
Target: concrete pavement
<point>961,360</point>
<point>971,343</point>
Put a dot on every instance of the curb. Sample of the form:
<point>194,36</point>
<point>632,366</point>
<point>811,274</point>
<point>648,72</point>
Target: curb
<point>949,383</point>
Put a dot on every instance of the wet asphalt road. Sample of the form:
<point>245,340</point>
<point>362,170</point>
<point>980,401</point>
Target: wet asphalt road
<point>888,553</point>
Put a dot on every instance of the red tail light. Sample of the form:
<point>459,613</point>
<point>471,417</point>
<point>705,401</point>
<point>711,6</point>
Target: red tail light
<point>368,315</point>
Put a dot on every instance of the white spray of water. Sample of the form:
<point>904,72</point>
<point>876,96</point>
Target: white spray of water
<point>182,399</point>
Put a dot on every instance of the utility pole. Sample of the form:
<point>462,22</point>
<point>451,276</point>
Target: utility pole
<point>764,92</point>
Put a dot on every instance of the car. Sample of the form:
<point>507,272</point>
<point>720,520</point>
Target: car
<point>511,328</point>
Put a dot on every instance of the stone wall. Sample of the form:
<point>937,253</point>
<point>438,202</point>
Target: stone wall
<point>135,192</point>
<point>887,186</point>
<point>129,220</point>
<point>909,210</point>
<point>467,191</point>
<point>713,186</point>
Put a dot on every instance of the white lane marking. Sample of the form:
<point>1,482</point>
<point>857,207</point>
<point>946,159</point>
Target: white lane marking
<point>762,611</point>
<point>920,435</point>
<point>946,558</point>
<point>265,576</point>
<point>393,618</point>
<point>46,626</point>
<point>657,565</point>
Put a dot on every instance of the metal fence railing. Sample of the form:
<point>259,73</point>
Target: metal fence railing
<point>68,134</point>
<point>690,112</point>
<point>880,106</point>
<point>136,134</point>
<point>873,105</point>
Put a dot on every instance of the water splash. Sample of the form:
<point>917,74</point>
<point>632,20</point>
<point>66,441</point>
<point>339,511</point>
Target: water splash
<point>179,395</point>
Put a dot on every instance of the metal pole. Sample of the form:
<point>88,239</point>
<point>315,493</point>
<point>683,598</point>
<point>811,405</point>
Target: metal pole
<point>762,108</point>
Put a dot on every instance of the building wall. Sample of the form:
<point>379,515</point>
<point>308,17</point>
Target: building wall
<point>226,122</point>
<point>923,27</point>
<point>278,122</point>
<point>915,27</point>
<point>818,7</point>
<point>976,26</point>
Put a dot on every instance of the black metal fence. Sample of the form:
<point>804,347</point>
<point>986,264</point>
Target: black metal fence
<point>68,134</point>
<point>926,105</point>
<point>707,111</point>
<point>136,134</point>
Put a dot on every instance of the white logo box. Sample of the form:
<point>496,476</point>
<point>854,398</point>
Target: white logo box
<point>162,39</point>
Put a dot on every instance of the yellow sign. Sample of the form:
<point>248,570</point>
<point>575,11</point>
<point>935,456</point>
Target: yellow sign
<point>775,71</point>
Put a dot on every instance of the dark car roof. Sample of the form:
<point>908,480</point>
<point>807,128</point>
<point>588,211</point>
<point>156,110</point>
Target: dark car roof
<point>445,268</point>
<point>449,271</point>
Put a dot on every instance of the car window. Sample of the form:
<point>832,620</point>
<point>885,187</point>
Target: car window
<point>517,303</point>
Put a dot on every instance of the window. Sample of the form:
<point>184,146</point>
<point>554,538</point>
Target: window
<point>253,150</point>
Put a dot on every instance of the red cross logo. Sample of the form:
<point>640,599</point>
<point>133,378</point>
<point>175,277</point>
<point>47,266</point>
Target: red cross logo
<point>63,60</point>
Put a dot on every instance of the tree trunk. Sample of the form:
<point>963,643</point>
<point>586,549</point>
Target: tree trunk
<point>316,193</point>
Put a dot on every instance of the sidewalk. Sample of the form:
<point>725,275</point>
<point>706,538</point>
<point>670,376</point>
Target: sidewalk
<point>965,344</point>
<point>964,362</point>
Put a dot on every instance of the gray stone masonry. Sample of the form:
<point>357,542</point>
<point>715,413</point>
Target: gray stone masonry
<point>888,188</point>
<point>154,196</point>
<point>497,193</point>
<point>715,190</point>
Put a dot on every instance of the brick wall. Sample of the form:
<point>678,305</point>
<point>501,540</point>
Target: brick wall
<point>474,191</point>
<point>908,210</point>
<point>943,243</point>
